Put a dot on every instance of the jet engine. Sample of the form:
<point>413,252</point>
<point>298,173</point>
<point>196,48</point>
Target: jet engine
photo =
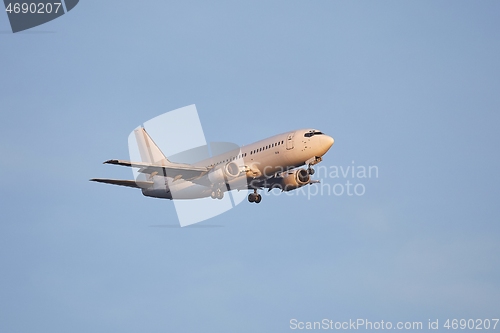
<point>223,174</point>
<point>295,179</point>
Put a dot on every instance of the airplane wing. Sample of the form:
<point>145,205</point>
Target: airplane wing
<point>173,170</point>
<point>128,183</point>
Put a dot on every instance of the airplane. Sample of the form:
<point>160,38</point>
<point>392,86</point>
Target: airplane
<point>267,164</point>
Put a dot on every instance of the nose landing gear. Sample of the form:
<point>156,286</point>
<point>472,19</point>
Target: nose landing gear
<point>312,161</point>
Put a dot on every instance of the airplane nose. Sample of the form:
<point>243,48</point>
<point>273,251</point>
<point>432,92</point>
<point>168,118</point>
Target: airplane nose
<point>327,142</point>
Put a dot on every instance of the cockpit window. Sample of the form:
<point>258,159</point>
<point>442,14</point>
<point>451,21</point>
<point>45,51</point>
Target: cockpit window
<point>309,134</point>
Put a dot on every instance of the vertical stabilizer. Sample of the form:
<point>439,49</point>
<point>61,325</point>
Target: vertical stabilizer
<point>150,153</point>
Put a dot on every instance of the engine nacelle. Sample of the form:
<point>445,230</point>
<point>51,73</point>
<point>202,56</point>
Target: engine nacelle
<point>295,179</point>
<point>232,169</point>
<point>225,173</point>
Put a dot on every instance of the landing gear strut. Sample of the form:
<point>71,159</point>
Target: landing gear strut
<point>254,197</point>
<point>312,161</point>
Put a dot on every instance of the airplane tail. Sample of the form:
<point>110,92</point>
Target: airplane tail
<point>150,153</point>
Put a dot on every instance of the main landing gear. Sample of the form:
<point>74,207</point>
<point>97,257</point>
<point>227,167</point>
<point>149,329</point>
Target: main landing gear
<point>217,194</point>
<point>310,170</point>
<point>254,197</point>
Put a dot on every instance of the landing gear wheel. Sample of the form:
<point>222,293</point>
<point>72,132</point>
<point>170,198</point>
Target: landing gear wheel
<point>254,197</point>
<point>258,199</point>
<point>219,194</point>
<point>310,171</point>
<point>213,195</point>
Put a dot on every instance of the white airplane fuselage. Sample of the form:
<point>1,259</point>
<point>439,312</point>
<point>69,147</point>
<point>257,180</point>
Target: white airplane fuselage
<point>254,162</point>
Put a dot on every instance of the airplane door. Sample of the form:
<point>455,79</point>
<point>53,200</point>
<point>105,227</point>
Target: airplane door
<point>289,141</point>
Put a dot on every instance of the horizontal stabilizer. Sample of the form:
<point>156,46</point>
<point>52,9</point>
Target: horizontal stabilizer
<point>173,170</point>
<point>128,183</point>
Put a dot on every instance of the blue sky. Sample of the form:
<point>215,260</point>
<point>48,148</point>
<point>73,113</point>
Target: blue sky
<point>410,87</point>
